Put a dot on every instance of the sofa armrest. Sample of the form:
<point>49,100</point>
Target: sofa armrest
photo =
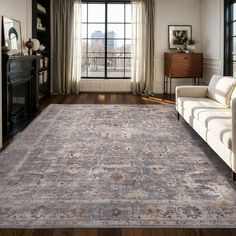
<point>191,91</point>
<point>234,127</point>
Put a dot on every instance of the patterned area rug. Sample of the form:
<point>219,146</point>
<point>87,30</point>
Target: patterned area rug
<point>113,166</point>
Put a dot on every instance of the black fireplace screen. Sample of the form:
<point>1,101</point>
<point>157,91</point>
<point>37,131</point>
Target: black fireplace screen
<point>19,99</point>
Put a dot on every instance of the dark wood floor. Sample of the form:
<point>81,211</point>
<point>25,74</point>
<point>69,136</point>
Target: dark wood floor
<point>107,98</point>
<point>119,232</point>
<point>100,98</point>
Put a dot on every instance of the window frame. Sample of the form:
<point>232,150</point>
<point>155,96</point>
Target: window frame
<point>229,37</point>
<point>106,39</point>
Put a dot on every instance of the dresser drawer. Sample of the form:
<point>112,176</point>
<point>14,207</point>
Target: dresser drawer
<point>182,65</point>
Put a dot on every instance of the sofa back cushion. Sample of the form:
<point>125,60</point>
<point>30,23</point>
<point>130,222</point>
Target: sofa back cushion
<point>233,96</point>
<point>220,89</point>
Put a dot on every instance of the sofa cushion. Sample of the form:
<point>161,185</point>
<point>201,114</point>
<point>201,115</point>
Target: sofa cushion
<point>195,105</point>
<point>233,96</point>
<point>221,127</point>
<point>220,89</point>
<point>213,116</point>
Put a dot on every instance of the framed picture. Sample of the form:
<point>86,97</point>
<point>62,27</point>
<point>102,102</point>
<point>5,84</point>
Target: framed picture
<point>178,34</point>
<point>12,35</point>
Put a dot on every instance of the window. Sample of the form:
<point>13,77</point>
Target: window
<point>230,38</point>
<point>106,43</point>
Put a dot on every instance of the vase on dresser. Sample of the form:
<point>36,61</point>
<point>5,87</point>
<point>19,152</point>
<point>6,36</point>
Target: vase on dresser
<point>192,48</point>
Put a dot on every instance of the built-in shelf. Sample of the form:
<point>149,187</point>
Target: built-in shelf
<point>44,36</point>
<point>44,52</point>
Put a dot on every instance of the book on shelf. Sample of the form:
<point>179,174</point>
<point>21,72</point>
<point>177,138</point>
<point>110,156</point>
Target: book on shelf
<point>41,29</point>
<point>41,8</point>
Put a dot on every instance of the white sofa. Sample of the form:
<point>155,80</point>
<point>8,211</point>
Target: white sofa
<point>211,112</point>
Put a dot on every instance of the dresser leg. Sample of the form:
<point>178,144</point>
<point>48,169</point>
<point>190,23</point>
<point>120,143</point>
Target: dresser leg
<point>164,86</point>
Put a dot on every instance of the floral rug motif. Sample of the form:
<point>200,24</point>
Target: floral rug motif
<point>113,166</point>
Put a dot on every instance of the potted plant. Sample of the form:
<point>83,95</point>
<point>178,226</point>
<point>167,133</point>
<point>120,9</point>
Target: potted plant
<point>191,44</point>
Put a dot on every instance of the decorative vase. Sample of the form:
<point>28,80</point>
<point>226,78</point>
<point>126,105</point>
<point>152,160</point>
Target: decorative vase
<point>191,48</point>
<point>29,44</point>
<point>36,46</point>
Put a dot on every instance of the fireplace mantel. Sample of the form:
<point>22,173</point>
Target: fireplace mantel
<point>20,92</point>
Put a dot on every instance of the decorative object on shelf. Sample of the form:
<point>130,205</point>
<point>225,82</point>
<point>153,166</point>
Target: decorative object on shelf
<point>178,36</point>
<point>41,62</point>
<point>40,78</point>
<point>39,22</point>
<point>41,8</point>
<point>40,25</point>
<point>12,35</point>
<point>46,62</point>
<point>41,28</point>
<point>29,44</point>
<point>5,49</point>
<point>45,76</point>
<point>191,45</point>
<point>36,46</point>
<point>42,48</point>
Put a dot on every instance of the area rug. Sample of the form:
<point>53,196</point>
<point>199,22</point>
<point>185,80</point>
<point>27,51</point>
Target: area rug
<point>105,166</point>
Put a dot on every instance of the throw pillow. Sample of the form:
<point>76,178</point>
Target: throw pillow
<point>220,89</point>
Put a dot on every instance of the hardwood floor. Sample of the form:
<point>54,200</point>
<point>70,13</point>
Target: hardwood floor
<point>119,232</point>
<point>106,98</point>
<point>100,98</point>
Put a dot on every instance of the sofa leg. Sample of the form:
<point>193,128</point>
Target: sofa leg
<point>234,176</point>
<point>178,116</point>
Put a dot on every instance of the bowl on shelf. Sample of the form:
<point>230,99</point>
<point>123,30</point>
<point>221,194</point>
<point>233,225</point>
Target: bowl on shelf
<point>42,48</point>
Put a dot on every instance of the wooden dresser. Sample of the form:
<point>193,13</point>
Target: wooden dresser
<point>182,65</point>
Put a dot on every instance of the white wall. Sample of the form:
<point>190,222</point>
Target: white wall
<point>174,12</point>
<point>213,37</point>
<point>20,10</point>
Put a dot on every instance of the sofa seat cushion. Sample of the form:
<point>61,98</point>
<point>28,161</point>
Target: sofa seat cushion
<point>221,127</point>
<point>214,116</point>
<point>197,104</point>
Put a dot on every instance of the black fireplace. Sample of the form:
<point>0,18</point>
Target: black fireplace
<point>19,92</point>
<point>20,102</point>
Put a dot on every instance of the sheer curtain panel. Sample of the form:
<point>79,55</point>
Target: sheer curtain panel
<point>66,46</point>
<point>143,21</point>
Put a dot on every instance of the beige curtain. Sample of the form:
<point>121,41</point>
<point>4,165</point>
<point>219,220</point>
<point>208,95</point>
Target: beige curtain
<point>143,14</point>
<point>66,46</point>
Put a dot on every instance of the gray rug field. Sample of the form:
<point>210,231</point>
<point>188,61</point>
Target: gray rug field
<point>113,166</point>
